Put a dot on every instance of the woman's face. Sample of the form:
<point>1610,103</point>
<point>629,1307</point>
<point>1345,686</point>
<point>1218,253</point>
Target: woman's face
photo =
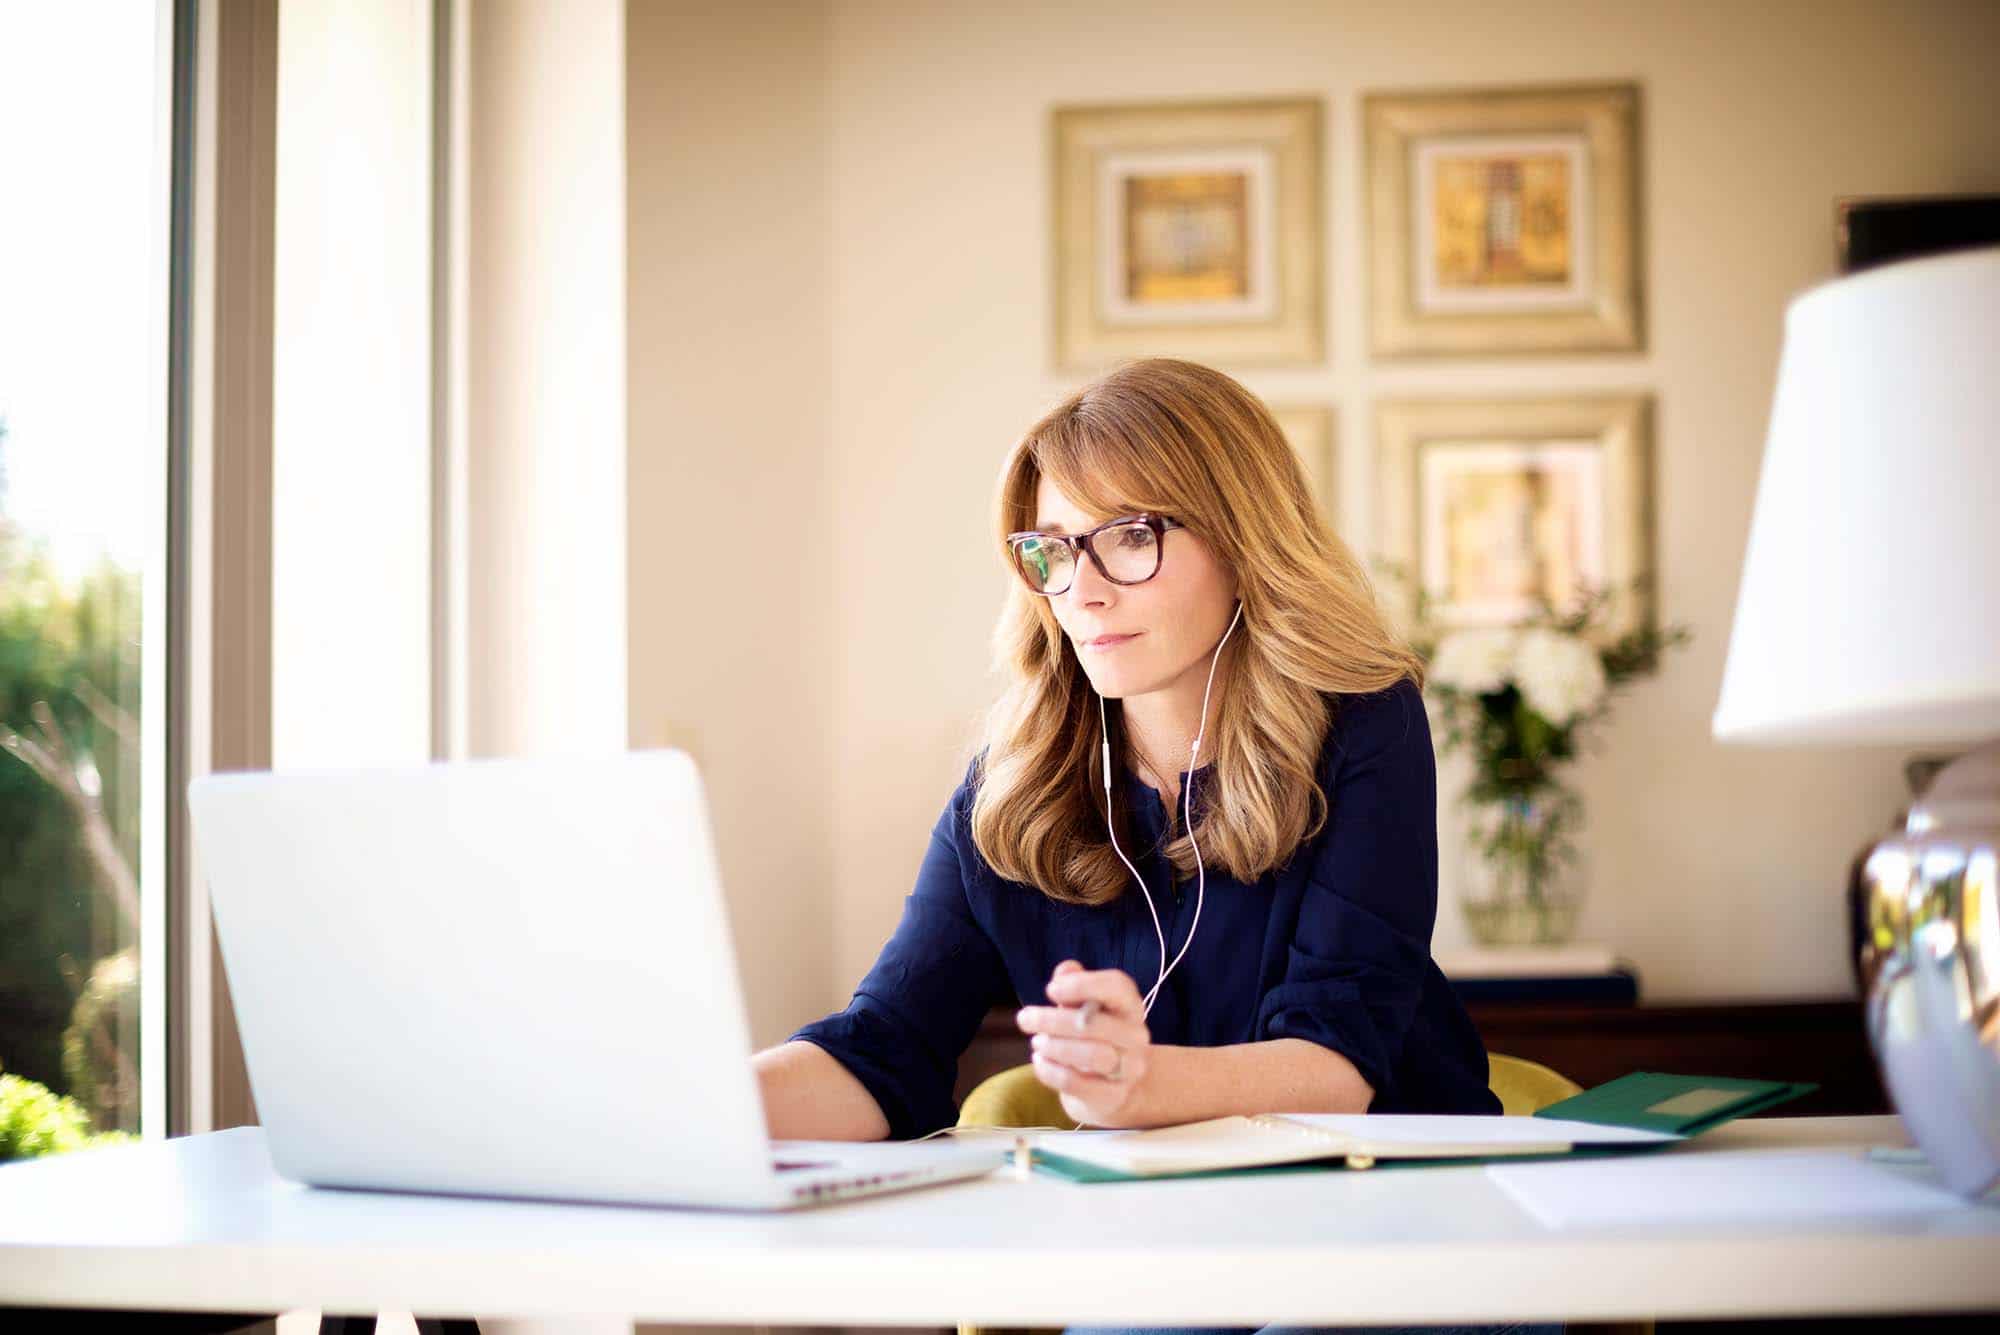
<point>1162,632</point>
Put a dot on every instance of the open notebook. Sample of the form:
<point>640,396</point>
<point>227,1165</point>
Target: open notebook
<point>1644,1110</point>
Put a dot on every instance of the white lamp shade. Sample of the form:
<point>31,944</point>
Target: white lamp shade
<point>1870,603</point>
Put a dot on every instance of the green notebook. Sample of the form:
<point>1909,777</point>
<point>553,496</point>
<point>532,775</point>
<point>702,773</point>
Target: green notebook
<point>1670,1107</point>
<point>1685,1105</point>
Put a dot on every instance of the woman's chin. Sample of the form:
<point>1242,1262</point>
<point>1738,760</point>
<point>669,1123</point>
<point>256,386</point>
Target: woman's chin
<point>1116,685</point>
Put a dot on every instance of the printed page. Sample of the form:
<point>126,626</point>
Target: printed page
<point>1193,1147</point>
<point>1386,1132</point>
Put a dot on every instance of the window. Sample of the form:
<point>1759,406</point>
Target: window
<point>84,242</point>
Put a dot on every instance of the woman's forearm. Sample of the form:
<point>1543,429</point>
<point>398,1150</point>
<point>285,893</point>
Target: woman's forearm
<point>808,1095</point>
<point>1276,1075</point>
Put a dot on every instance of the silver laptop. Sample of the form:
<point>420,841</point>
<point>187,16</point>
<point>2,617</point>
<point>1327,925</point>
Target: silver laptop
<point>506,978</point>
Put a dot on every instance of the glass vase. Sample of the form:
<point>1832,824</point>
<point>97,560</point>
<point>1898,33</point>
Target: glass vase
<point>1522,883</point>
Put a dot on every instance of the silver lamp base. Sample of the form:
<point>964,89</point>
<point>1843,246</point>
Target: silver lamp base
<point>1930,964</point>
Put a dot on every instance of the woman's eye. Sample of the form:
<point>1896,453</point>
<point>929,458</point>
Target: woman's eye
<point>1138,535</point>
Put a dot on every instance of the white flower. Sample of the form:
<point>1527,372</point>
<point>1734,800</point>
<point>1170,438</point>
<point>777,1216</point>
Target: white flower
<point>1474,661</point>
<point>1560,676</point>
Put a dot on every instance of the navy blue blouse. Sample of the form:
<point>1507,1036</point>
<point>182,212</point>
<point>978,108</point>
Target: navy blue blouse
<point>1333,947</point>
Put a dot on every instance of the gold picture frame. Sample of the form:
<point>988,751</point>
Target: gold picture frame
<point>1489,503</point>
<point>1504,220</point>
<point>1188,230</point>
<point>1309,430</point>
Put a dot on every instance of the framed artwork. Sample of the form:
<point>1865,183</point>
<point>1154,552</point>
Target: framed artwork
<point>1504,220</point>
<point>1490,506</point>
<point>1188,230</point>
<point>1309,430</point>
<point>1878,229</point>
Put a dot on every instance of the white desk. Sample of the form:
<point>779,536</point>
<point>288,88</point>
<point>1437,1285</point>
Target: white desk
<point>203,1224</point>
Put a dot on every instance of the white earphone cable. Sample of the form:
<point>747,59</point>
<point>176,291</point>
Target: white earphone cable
<point>1111,825</point>
<point>1187,818</point>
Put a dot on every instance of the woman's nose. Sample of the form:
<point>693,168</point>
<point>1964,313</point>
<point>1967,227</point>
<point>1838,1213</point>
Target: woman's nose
<point>1089,588</point>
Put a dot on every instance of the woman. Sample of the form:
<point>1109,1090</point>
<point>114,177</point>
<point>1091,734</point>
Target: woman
<point>1200,841</point>
<point>1306,984</point>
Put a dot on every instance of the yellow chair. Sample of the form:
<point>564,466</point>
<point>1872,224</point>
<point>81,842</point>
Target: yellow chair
<point>1015,1098</point>
<point>1522,1086</point>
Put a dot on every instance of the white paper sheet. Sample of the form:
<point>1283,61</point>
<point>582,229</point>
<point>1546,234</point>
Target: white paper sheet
<point>1729,1185</point>
<point>1237,1142</point>
<point>1499,1132</point>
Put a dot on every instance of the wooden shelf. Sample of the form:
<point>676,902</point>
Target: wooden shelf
<point>1820,1041</point>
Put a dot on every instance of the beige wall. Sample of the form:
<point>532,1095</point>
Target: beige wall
<point>864,305</point>
<point>729,457</point>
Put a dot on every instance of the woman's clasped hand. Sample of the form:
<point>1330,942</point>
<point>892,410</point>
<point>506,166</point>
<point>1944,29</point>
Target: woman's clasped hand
<point>1091,1045</point>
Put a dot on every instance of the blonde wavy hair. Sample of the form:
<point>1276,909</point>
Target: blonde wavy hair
<point>1178,439</point>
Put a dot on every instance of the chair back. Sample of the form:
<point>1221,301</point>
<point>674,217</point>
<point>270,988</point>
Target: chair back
<point>1523,1086</point>
<point>1014,1098</point>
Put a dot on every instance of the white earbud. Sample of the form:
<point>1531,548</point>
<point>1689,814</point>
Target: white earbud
<point>1187,820</point>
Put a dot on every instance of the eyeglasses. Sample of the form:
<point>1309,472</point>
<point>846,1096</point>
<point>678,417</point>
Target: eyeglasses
<point>1124,550</point>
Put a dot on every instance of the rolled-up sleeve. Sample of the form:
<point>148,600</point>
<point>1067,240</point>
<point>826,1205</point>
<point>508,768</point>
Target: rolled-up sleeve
<point>1355,972</point>
<point>920,1005</point>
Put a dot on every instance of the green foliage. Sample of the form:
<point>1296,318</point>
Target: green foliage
<point>35,1121</point>
<point>1514,749</point>
<point>103,1034</point>
<point>71,648</point>
<point>1637,653</point>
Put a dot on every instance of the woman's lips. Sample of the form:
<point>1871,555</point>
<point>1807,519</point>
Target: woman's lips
<point>1110,641</point>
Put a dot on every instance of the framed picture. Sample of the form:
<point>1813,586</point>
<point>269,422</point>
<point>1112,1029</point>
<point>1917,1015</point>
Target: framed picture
<point>1879,229</point>
<point>1188,230</point>
<point>1309,430</point>
<point>1504,221</point>
<point>1491,506</point>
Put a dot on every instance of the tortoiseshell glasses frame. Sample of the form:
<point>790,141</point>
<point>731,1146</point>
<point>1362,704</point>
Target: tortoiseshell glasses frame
<point>1030,552</point>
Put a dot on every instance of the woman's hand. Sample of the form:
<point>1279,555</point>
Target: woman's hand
<point>1094,1056</point>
